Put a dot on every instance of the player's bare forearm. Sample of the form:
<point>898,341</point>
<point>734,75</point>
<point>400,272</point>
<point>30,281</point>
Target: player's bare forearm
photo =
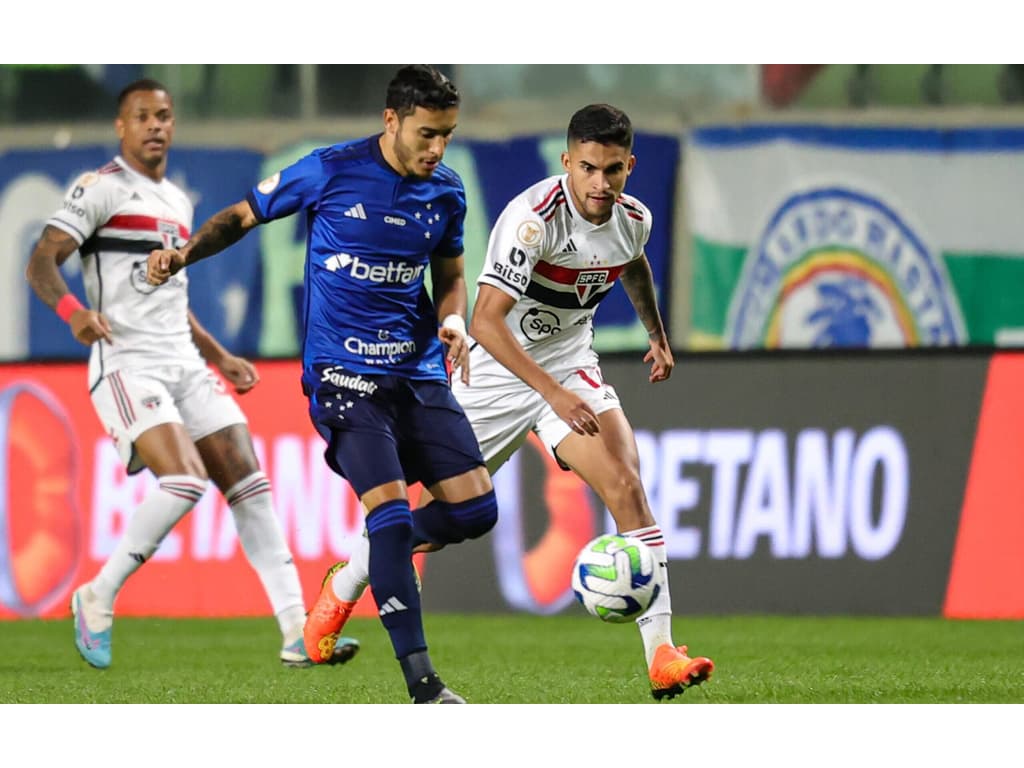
<point>449,280</point>
<point>43,271</point>
<point>638,282</point>
<point>220,231</point>
<point>491,331</point>
<point>211,349</point>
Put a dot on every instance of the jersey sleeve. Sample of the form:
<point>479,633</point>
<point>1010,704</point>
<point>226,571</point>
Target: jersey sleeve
<point>86,207</point>
<point>516,245</point>
<point>292,189</point>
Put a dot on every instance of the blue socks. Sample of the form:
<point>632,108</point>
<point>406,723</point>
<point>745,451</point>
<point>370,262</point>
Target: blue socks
<point>391,575</point>
<point>442,523</point>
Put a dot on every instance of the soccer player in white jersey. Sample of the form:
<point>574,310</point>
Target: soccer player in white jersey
<point>554,254</point>
<point>148,375</point>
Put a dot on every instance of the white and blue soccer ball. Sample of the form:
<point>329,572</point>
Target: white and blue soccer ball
<point>615,578</point>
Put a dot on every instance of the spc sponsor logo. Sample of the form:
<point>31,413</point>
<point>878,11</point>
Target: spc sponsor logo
<point>538,324</point>
<point>394,272</point>
<point>838,267</point>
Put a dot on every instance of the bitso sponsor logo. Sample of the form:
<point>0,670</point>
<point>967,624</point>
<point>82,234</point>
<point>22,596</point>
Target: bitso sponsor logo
<point>838,267</point>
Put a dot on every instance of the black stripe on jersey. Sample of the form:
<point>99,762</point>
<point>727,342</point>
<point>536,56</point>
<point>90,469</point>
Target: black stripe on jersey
<point>492,276</point>
<point>81,234</point>
<point>568,208</point>
<point>549,210</point>
<point>629,206</point>
<point>120,244</point>
<point>561,299</point>
<point>99,308</point>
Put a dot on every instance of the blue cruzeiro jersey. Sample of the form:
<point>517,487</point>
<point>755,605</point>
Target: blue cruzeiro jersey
<point>370,236</point>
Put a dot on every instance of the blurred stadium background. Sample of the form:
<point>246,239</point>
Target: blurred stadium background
<point>839,254</point>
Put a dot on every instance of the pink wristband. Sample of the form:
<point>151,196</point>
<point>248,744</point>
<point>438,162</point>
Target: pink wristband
<point>67,306</point>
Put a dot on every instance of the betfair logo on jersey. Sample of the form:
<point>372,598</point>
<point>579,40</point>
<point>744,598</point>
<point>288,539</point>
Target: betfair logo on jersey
<point>589,281</point>
<point>392,272</point>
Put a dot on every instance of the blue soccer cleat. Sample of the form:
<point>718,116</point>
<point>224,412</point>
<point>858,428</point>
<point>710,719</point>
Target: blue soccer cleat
<point>94,647</point>
<point>294,655</point>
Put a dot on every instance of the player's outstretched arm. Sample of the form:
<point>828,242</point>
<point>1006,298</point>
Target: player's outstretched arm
<point>490,330</point>
<point>638,282</point>
<point>239,372</point>
<point>43,274</point>
<point>221,230</point>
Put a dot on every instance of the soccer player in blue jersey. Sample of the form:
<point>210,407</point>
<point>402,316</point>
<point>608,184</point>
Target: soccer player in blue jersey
<point>380,211</point>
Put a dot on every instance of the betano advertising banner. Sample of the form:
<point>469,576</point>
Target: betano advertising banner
<point>871,484</point>
<point>825,236</point>
<point>250,297</point>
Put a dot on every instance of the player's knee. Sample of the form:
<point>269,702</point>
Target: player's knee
<point>476,516</point>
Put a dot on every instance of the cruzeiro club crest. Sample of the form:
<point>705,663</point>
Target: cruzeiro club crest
<point>836,267</point>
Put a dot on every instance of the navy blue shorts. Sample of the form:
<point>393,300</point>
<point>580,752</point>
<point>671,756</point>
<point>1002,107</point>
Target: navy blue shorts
<point>385,428</point>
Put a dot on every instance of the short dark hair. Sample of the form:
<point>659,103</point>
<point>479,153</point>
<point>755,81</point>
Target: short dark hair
<point>145,84</point>
<point>420,85</point>
<point>602,123</point>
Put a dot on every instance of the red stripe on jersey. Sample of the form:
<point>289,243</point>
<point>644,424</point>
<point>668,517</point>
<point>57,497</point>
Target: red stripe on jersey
<point>631,210</point>
<point>583,375</point>
<point>110,168</point>
<point>547,198</point>
<point>566,276</point>
<point>144,223</point>
<point>560,200</point>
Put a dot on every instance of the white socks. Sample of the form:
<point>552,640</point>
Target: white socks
<point>656,624</point>
<point>264,544</point>
<point>149,524</point>
<point>350,582</point>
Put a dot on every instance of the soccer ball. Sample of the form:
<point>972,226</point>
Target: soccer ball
<point>615,578</point>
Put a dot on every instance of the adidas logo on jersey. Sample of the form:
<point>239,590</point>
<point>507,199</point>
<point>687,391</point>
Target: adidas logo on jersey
<point>356,212</point>
<point>570,247</point>
<point>393,605</point>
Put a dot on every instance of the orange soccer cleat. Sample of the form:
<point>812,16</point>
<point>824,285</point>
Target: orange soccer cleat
<point>672,671</point>
<point>326,620</point>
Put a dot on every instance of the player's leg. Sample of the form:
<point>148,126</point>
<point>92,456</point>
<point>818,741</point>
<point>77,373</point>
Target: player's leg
<point>147,429</point>
<point>231,462</point>
<point>363,448</point>
<point>501,419</point>
<point>609,463</point>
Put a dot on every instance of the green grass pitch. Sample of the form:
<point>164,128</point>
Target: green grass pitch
<point>518,659</point>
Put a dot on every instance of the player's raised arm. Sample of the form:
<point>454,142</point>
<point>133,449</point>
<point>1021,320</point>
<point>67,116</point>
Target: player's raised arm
<point>638,282</point>
<point>220,231</point>
<point>43,274</point>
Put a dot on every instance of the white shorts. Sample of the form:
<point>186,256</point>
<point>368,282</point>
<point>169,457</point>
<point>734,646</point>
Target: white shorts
<point>503,410</point>
<point>133,400</point>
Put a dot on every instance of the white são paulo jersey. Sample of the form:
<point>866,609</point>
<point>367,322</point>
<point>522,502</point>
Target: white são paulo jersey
<point>559,267</point>
<point>118,216</point>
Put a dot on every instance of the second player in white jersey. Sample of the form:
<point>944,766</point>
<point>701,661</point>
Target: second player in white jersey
<point>117,216</point>
<point>558,266</point>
